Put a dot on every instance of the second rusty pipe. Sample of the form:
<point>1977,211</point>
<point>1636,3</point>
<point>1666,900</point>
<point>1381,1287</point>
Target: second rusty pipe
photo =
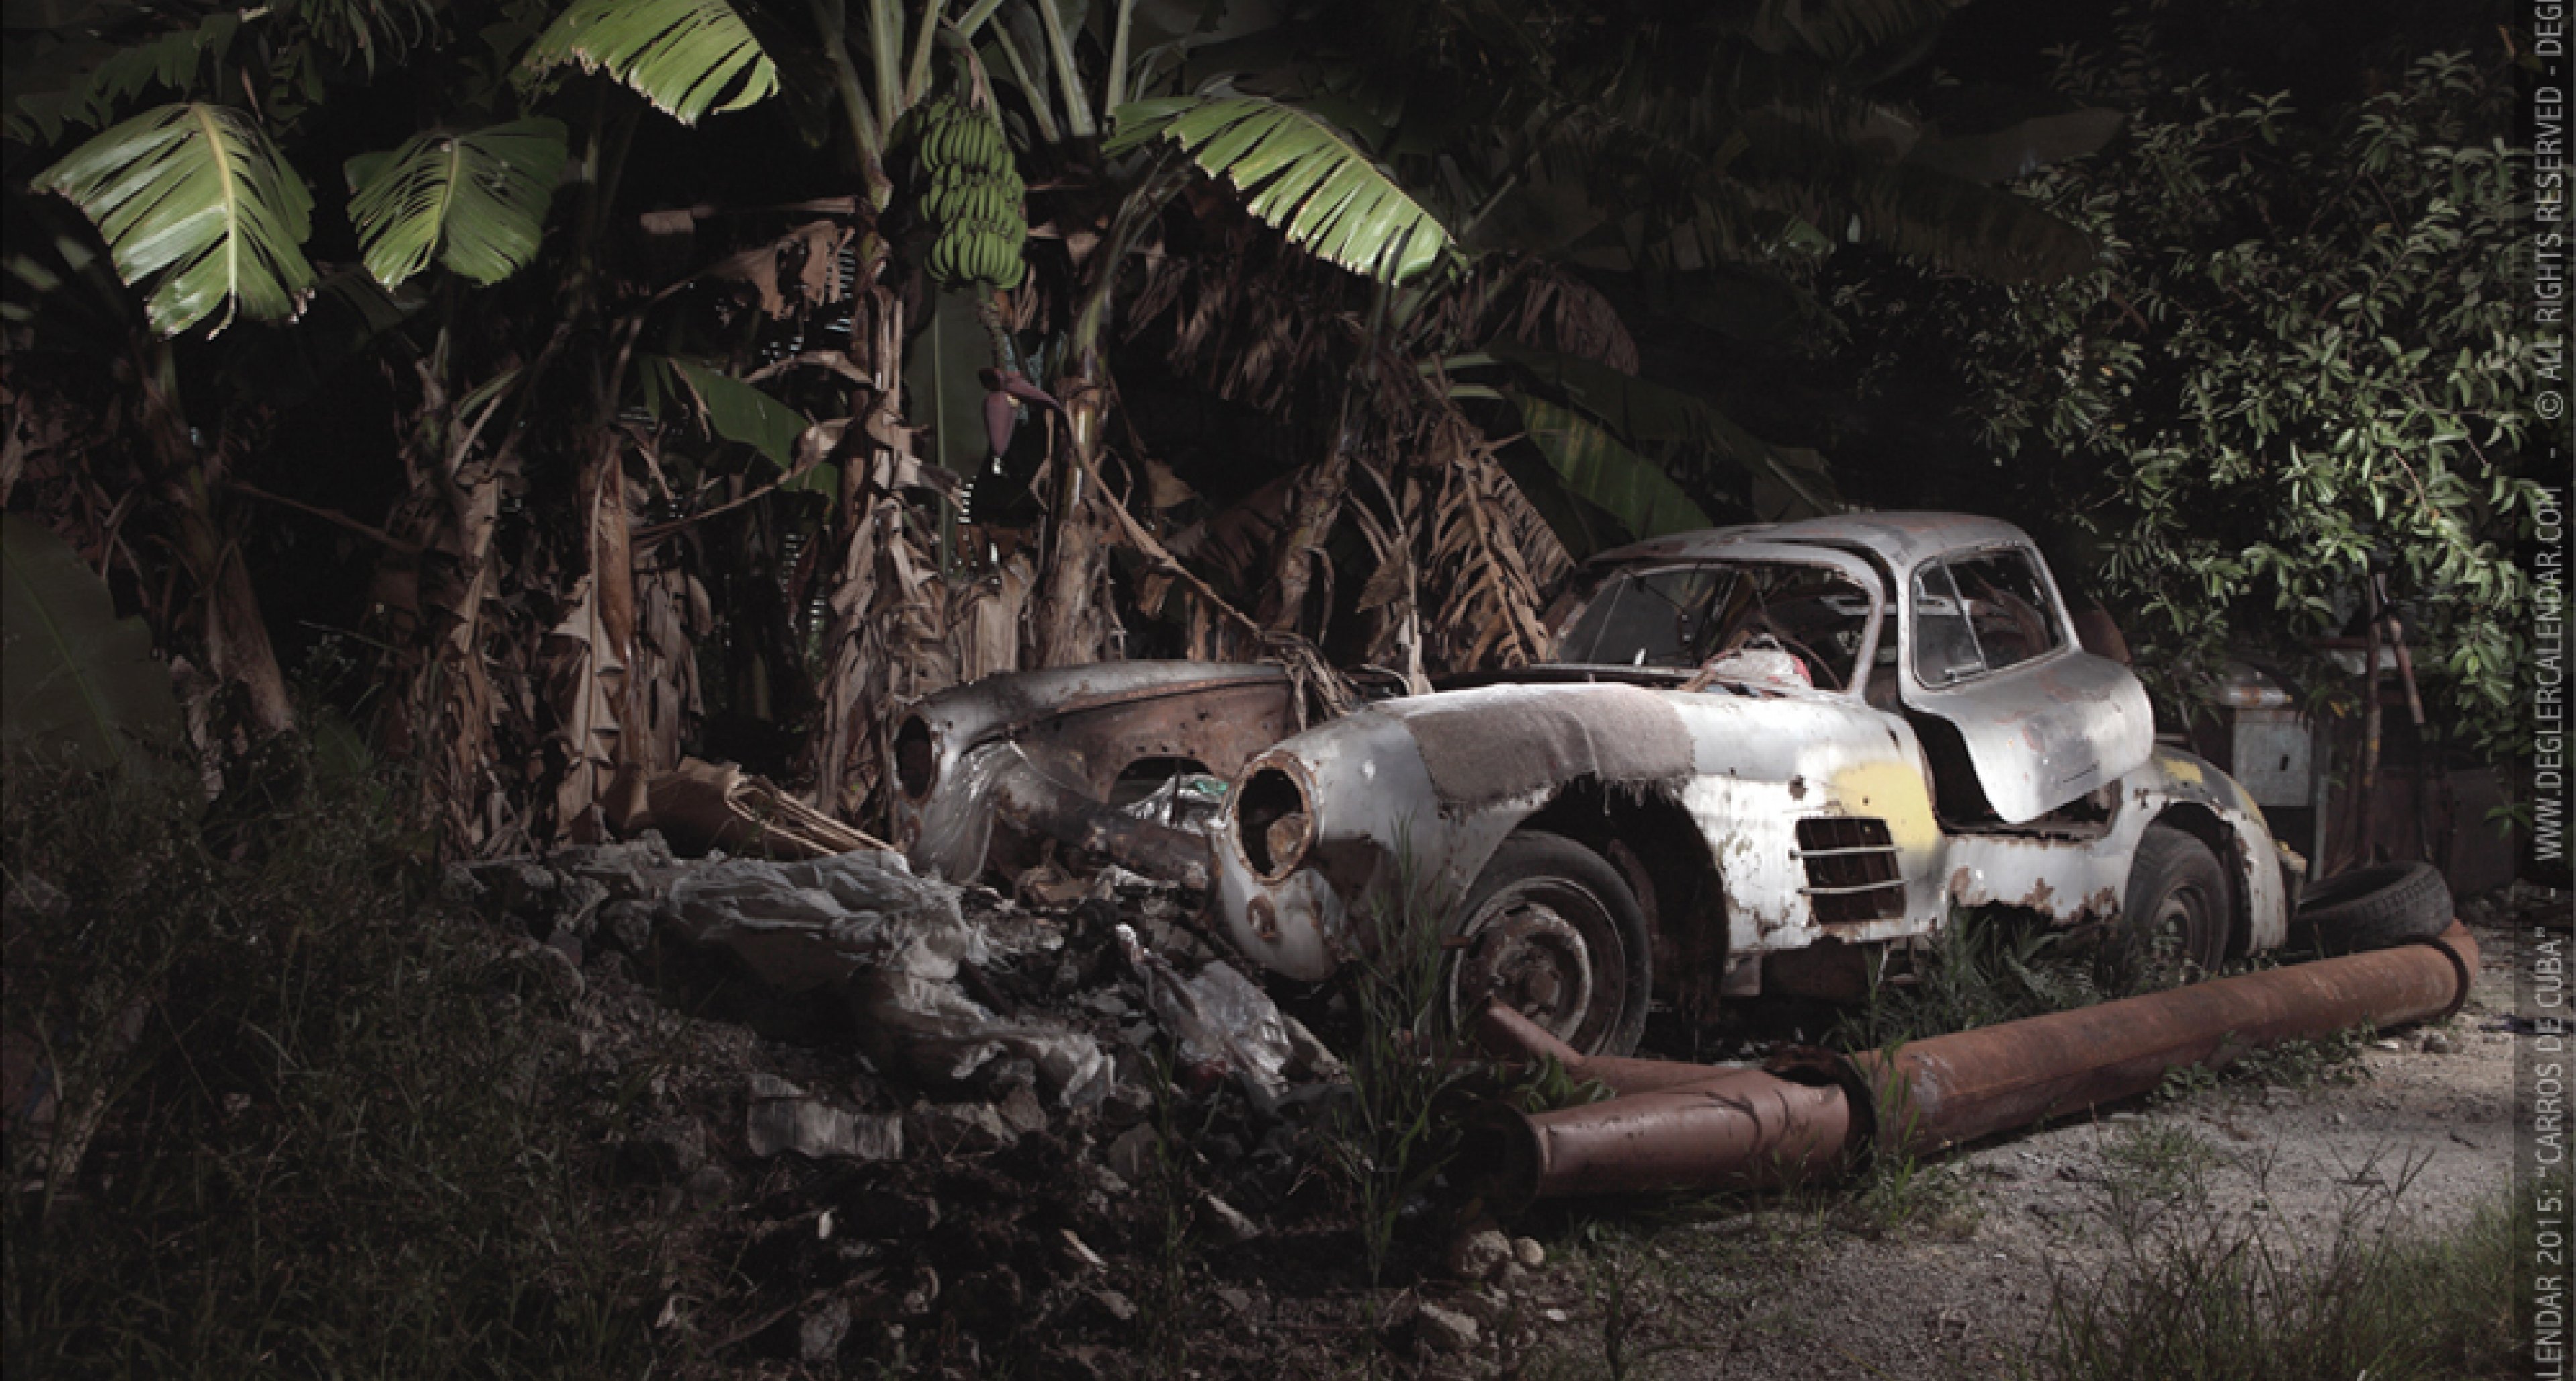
<point>1679,1125</point>
<point>1508,1035</point>
<point>1934,1094</point>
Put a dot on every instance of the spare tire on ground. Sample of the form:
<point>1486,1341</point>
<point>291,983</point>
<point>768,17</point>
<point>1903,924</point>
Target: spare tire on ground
<point>2373,908</point>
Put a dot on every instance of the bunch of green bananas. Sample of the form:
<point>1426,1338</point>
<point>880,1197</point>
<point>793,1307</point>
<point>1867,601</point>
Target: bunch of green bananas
<point>973,196</point>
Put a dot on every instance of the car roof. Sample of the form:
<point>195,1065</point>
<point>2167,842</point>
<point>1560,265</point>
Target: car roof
<point>1899,539</point>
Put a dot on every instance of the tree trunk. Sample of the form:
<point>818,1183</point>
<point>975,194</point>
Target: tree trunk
<point>1072,627</point>
<point>1301,543</point>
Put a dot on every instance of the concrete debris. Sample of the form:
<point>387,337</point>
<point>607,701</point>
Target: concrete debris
<point>1133,1156</point>
<point>1231,1224</point>
<point>950,1129</point>
<point>1222,1022</point>
<point>1478,1253</point>
<point>671,1148</point>
<point>1444,1330</point>
<point>896,942</point>
<point>819,1334</point>
<point>801,926</point>
<point>783,1117</point>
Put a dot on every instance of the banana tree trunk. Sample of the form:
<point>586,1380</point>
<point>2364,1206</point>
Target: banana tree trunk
<point>1320,492</point>
<point>1072,625</point>
<point>592,675</point>
<point>869,590</point>
<point>224,611</point>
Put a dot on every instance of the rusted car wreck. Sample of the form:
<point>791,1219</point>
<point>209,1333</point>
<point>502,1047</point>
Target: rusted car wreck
<point>1764,757</point>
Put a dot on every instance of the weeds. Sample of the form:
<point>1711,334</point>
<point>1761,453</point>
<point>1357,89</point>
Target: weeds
<point>1392,1145</point>
<point>2298,1064</point>
<point>1169,1306</point>
<point>2195,1293</point>
<point>304,1124</point>
<point>2157,1159</point>
<point>1990,966</point>
<point>1899,1192</point>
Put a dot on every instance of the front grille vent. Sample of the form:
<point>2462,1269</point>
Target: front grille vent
<point>1851,869</point>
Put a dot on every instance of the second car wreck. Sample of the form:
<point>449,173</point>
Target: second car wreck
<point>1764,758</point>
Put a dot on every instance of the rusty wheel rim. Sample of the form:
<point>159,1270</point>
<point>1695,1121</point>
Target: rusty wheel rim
<point>2181,938</point>
<point>1550,950</point>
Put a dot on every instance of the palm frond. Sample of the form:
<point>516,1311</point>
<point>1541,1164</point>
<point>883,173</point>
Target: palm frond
<point>60,81</point>
<point>1302,176</point>
<point>1671,422</point>
<point>476,202</point>
<point>1605,474</point>
<point>685,56</point>
<point>194,199</point>
<point>1914,209</point>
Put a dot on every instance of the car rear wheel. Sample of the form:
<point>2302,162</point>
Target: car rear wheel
<point>1552,930</point>
<point>2174,919</point>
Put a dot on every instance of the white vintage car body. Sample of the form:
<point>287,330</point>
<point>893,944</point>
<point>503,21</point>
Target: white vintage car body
<point>1778,816</point>
<point>1738,808</point>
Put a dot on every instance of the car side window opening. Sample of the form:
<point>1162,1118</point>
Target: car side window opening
<point>1690,616</point>
<point>1945,648</point>
<point>2008,608</point>
<point>1980,614</point>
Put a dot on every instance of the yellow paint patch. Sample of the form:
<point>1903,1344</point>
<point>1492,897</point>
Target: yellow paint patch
<point>2180,768</point>
<point>1892,791</point>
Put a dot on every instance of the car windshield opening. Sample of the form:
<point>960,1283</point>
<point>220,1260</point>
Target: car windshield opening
<point>1759,621</point>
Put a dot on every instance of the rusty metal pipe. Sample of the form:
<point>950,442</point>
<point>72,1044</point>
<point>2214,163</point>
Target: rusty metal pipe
<point>1508,1035</point>
<point>1934,1094</point>
<point>1679,1125</point>
<point>1742,1129</point>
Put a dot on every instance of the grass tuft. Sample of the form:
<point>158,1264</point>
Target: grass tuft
<point>1395,1136</point>
<point>1990,965</point>
<point>2194,1292</point>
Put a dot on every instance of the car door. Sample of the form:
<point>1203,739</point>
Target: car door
<point>1987,652</point>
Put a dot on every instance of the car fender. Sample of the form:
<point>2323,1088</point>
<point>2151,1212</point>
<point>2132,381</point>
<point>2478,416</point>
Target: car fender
<point>2077,880</point>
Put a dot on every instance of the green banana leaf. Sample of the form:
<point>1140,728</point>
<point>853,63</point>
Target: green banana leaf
<point>685,56</point>
<point>737,411</point>
<point>1605,474</point>
<point>476,202</point>
<point>1786,481</point>
<point>943,378</point>
<point>196,201</point>
<point>1304,179</point>
<point>75,679</point>
<point>66,82</point>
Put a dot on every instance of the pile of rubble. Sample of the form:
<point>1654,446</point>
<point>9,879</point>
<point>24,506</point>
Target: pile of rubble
<point>931,1120</point>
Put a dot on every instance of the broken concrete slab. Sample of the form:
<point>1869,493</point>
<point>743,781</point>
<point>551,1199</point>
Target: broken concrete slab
<point>783,1117</point>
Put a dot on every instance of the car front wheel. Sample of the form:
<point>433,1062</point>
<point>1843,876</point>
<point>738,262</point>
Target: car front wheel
<point>2175,916</point>
<point>1552,930</point>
